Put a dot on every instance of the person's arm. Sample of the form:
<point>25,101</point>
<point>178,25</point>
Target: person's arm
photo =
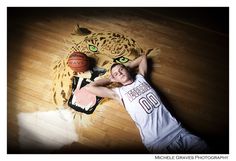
<point>99,88</point>
<point>141,63</point>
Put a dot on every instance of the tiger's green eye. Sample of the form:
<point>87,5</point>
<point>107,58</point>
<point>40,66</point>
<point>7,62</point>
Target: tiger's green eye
<point>93,48</point>
<point>121,60</point>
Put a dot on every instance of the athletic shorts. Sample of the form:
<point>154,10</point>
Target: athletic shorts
<point>183,143</point>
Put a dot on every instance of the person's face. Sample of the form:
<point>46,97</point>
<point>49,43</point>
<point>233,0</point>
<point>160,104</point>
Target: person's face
<point>120,74</point>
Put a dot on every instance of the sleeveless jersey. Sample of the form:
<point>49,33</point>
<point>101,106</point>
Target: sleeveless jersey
<point>155,123</point>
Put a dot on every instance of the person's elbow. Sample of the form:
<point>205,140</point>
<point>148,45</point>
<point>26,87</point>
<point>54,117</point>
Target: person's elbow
<point>89,87</point>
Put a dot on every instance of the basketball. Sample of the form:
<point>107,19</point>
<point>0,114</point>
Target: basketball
<point>78,62</point>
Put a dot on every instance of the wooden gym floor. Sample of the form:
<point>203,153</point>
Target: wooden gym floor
<point>191,73</point>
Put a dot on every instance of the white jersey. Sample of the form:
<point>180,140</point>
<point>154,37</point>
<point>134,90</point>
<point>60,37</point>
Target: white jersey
<point>154,121</point>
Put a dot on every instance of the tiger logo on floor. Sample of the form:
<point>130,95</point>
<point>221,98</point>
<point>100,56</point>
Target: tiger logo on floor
<point>104,48</point>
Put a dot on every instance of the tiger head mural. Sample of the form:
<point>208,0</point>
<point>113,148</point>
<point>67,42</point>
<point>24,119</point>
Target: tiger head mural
<point>104,49</point>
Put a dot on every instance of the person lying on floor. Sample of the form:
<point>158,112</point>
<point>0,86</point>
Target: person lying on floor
<point>159,130</point>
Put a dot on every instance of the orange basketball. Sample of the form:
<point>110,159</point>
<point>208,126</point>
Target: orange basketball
<point>78,62</point>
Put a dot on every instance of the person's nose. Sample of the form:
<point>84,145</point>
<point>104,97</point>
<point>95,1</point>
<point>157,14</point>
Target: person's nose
<point>120,73</point>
